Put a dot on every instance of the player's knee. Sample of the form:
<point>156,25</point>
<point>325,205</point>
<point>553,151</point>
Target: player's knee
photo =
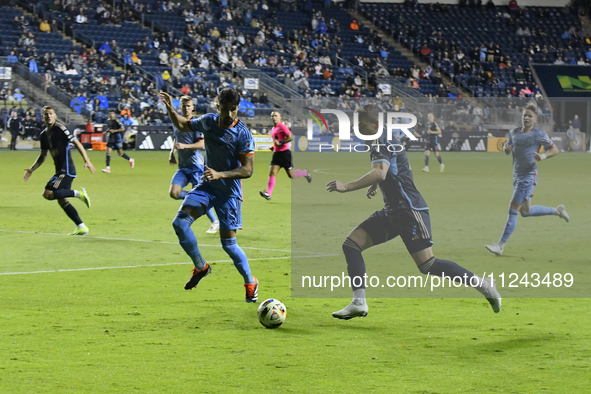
<point>48,195</point>
<point>120,153</point>
<point>523,212</point>
<point>174,194</point>
<point>181,222</point>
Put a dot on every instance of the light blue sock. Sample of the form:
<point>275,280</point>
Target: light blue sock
<point>510,225</point>
<point>238,257</point>
<point>539,210</point>
<point>182,195</point>
<point>211,215</point>
<point>182,227</point>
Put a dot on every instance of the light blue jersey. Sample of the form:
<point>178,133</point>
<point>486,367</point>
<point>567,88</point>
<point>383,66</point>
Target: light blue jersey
<point>224,148</point>
<point>191,159</point>
<point>524,147</point>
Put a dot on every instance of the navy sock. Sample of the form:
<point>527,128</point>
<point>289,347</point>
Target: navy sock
<point>446,269</point>
<point>108,160</point>
<point>426,161</point>
<point>125,156</point>
<point>238,257</point>
<point>211,216</point>
<point>72,213</point>
<point>355,263</point>
<point>182,195</point>
<point>510,225</point>
<point>62,193</point>
<point>439,159</point>
<point>182,227</point>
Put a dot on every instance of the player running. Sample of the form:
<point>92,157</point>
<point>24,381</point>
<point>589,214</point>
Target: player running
<point>56,139</point>
<point>115,128</point>
<point>432,144</point>
<point>189,147</point>
<point>281,155</point>
<point>230,153</point>
<point>525,143</point>
<point>405,214</point>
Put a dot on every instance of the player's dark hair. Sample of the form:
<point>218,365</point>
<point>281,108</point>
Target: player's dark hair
<point>46,108</point>
<point>369,112</point>
<point>229,96</point>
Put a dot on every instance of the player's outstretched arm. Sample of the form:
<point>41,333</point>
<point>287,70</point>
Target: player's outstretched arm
<point>87,163</point>
<point>553,151</point>
<point>36,164</point>
<point>376,175</point>
<point>199,145</point>
<point>179,121</point>
<point>242,172</point>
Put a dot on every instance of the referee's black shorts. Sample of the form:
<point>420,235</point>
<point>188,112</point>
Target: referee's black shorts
<point>282,159</point>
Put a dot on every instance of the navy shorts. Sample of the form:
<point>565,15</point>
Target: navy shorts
<point>431,146</point>
<point>60,181</point>
<point>115,145</point>
<point>414,227</point>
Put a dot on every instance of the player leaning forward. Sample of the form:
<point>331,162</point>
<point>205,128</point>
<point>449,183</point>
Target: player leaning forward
<point>405,214</point>
<point>525,142</point>
<point>230,152</point>
<point>56,139</point>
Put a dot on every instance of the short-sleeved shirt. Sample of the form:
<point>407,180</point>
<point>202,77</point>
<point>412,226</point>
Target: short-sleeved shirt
<point>524,147</point>
<point>398,189</point>
<point>280,133</point>
<point>57,141</point>
<point>432,126</point>
<point>115,138</point>
<point>191,159</point>
<point>224,148</point>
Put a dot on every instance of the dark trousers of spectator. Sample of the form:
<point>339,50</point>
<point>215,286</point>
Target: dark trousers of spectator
<point>13,140</point>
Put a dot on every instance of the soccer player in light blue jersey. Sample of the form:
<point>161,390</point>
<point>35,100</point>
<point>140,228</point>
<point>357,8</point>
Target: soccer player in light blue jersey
<point>189,146</point>
<point>230,151</point>
<point>525,143</point>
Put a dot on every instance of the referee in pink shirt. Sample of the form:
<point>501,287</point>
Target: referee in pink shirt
<point>281,155</point>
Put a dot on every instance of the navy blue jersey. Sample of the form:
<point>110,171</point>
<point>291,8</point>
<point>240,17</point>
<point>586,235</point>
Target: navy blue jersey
<point>432,137</point>
<point>398,188</point>
<point>115,138</point>
<point>57,141</point>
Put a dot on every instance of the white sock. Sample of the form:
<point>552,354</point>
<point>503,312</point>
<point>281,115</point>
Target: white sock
<point>81,225</point>
<point>359,296</point>
<point>76,194</point>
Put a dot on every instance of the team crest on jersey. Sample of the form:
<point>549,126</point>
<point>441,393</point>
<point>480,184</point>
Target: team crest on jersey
<point>228,138</point>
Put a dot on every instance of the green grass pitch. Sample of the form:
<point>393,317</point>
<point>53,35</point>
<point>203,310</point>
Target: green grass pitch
<point>107,313</point>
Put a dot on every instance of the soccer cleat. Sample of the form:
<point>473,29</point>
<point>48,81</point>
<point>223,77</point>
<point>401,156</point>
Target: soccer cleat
<point>494,249</point>
<point>492,295</point>
<point>562,213</point>
<point>107,170</point>
<point>308,177</point>
<point>215,226</point>
<point>354,309</point>
<point>131,163</point>
<point>197,276</point>
<point>426,169</point>
<point>80,231</point>
<point>441,167</point>
<point>265,195</point>
<point>84,197</point>
<point>252,291</point>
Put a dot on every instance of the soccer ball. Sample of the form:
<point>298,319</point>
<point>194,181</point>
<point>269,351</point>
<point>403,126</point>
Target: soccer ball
<point>271,313</point>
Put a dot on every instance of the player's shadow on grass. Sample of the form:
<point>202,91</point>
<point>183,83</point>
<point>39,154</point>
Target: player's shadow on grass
<point>487,347</point>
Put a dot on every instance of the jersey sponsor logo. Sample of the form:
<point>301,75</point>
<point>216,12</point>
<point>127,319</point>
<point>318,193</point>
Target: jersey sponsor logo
<point>147,143</point>
<point>168,144</point>
<point>480,146</point>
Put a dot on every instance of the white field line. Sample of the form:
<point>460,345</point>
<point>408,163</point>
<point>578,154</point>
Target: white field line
<point>163,242</point>
<point>146,265</point>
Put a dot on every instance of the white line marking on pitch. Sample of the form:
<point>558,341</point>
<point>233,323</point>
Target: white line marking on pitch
<point>146,265</point>
<point>159,242</point>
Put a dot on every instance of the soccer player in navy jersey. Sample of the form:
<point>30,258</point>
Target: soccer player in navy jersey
<point>525,142</point>
<point>405,214</point>
<point>433,133</point>
<point>189,147</point>
<point>56,139</point>
<point>115,128</point>
<point>230,153</point>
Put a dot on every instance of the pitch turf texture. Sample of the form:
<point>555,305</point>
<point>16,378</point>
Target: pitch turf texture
<point>107,313</point>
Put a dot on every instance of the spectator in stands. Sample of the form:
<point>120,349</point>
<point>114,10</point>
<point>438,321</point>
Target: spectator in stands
<point>15,127</point>
<point>18,96</point>
<point>354,25</point>
<point>33,65</point>
<point>30,128</point>
<point>106,48</point>
<point>104,103</point>
<point>11,59</point>
<point>45,27</point>
<point>576,122</point>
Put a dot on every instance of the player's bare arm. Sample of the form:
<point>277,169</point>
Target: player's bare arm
<point>242,172</point>
<point>376,175</point>
<point>179,121</point>
<point>171,158</point>
<point>553,151</point>
<point>372,190</point>
<point>87,163</point>
<point>199,145</point>
<point>36,164</point>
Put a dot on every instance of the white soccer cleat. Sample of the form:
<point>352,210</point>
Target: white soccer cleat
<point>441,167</point>
<point>494,249</point>
<point>426,169</point>
<point>131,163</point>
<point>492,295</point>
<point>354,309</point>
<point>562,213</point>
<point>215,226</point>
<point>107,170</point>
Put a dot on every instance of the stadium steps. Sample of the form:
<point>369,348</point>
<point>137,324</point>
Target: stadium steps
<point>387,37</point>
